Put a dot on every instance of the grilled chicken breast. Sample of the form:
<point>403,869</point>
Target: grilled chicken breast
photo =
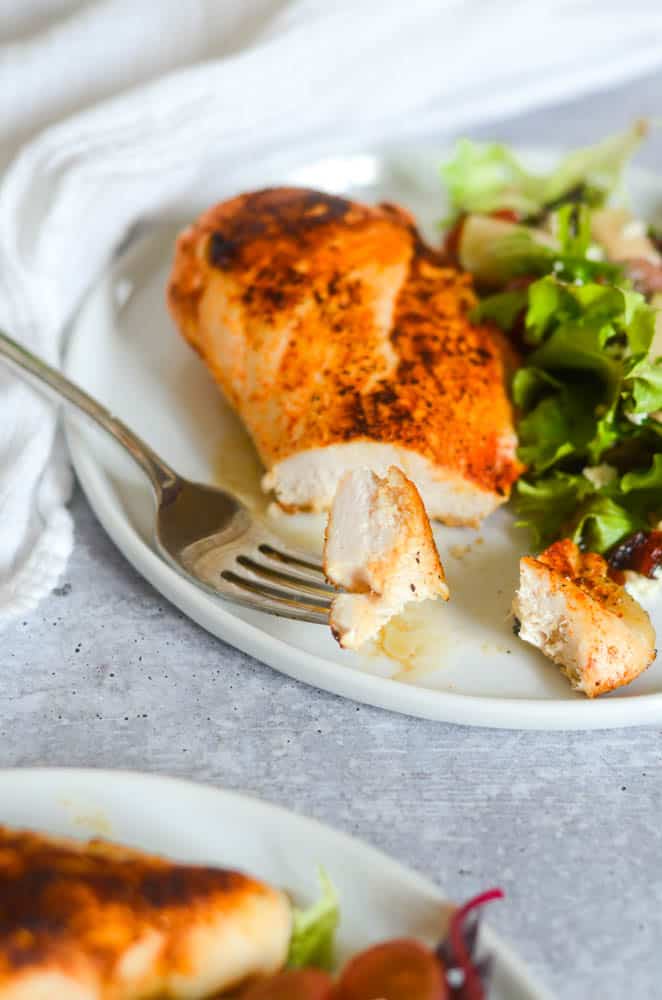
<point>379,547</point>
<point>100,922</point>
<point>343,341</point>
<point>568,607</point>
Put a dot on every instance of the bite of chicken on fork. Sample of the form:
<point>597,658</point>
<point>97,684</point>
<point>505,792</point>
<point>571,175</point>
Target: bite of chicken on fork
<point>379,547</point>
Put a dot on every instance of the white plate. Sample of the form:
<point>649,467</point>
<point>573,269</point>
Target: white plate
<point>379,898</point>
<point>458,662</point>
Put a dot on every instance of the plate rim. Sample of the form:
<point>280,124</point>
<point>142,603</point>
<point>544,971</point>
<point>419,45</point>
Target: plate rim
<point>216,616</point>
<point>427,703</point>
<point>513,964</point>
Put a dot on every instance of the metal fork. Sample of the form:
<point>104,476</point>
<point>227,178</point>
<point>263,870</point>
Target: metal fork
<point>205,533</point>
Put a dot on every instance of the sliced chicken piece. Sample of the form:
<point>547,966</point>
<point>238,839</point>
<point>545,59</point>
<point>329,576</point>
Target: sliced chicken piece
<point>343,341</point>
<point>101,922</point>
<point>379,547</point>
<point>569,607</point>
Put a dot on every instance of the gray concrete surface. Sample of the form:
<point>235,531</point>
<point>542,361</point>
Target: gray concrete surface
<point>106,673</point>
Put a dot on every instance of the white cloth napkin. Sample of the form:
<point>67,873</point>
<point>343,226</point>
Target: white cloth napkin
<point>283,74</point>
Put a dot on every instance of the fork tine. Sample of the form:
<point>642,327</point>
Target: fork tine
<point>292,559</point>
<point>316,608</point>
<point>297,581</point>
<point>247,599</point>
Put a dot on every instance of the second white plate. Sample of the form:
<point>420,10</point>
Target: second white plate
<point>197,824</point>
<point>458,662</point>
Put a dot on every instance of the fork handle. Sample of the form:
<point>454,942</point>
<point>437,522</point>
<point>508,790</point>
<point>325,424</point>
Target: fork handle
<point>160,474</point>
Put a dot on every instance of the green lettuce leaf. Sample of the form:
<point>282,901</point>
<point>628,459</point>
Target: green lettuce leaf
<point>552,302</point>
<point>549,302</point>
<point>585,328</point>
<point>640,327</point>
<point>599,166</point>
<point>601,522</point>
<point>621,507</point>
<point>606,434</point>
<point>561,504</point>
<point>546,506</point>
<point>644,479</point>
<point>502,309</point>
<point>641,490</point>
<point>642,387</point>
<point>528,385</point>
<point>579,346</point>
<point>484,177</point>
<point>580,270</point>
<point>573,227</point>
<point>559,425</point>
<point>606,302</point>
<point>314,929</point>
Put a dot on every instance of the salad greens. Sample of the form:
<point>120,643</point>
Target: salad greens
<point>586,382</point>
<point>314,929</point>
<point>497,251</point>
<point>488,177</point>
<point>589,393</point>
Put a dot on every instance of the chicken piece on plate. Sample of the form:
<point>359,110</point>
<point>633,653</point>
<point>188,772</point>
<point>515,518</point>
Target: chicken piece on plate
<point>569,607</point>
<point>343,341</point>
<point>100,922</point>
<point>379,547</point>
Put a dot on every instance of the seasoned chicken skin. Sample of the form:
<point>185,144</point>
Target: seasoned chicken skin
<point>570,608</point>
<point>343,341</point>
<point>379,547</point>
<point>99,922</point>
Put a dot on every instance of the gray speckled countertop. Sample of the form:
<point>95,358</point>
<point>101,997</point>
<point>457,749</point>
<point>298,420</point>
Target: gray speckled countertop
<point>106,673</point>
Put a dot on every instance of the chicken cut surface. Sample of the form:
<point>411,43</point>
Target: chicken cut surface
<point>570,608</point>
<point>343,341</point>
<point>100,922</point>
<point>379,547</point>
